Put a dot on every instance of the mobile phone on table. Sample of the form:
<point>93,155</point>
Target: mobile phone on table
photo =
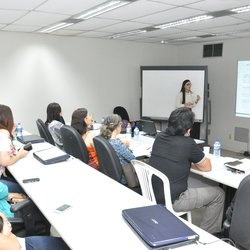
<point>63,208</point>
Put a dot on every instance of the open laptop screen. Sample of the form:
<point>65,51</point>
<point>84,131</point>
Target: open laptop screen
<point>148,127</point>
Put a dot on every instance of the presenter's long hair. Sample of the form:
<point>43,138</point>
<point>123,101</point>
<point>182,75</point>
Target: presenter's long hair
<point>183,91</point>
<point>110,123</point>
<point>78,122</point>
<point>6,119</point>
<point>180,121</point>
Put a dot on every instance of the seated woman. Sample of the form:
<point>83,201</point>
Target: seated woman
<point>54,122</point>
<point>9,241</point>
<point>81,121</point>
<point>110,130</point>
<point>54,112</point>
<point>8,154</point>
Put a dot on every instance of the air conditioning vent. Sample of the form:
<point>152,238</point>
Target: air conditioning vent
<point>211,50</point>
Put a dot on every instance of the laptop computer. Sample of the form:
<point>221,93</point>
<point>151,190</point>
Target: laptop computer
<point>148,127</point>
<point>158,227</point>
<point>51,155</point>
<point>30,138</point>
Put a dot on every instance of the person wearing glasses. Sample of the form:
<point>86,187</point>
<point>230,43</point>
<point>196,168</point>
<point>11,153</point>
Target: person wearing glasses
<point>186,97</point>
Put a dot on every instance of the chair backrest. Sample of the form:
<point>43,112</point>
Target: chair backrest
<point>122,112</point>
<point>54,128</point>
<point>240,223</point>
<point>44,132</point>
<point>73,143</point>
<point>145,175</point>
<point>109,162</point>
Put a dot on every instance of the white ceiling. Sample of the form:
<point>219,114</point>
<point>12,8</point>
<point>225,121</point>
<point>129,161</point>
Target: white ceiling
<point>33,15</point>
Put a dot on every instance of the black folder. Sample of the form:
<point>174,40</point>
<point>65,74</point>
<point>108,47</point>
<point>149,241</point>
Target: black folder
<point>30,138</point>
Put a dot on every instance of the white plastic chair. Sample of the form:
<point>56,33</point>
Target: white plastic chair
<point>145,173</point>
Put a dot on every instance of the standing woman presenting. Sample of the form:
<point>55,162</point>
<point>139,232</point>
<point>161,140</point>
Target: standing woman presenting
<point>186,97</point>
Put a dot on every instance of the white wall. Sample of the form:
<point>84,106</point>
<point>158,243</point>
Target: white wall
<point>75,72</point>
<point>222,76</point>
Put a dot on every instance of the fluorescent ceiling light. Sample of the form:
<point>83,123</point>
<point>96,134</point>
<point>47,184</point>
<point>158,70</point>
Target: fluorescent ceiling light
<point>185,38</point>
<point>184,21</point>
<point>129,33</point>
<point>241,9</point>
<point>55,27</point>
<point>99,9</point>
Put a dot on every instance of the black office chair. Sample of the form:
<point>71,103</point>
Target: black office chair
<point>240,223</point>
<point>28,220</point>
<point>122,112</point>
<point>44,132</point>
<point>109,163</point>
<point>73,143</point>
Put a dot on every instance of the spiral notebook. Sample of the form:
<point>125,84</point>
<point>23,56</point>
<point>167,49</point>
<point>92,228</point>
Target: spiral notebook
<point>158,227</point>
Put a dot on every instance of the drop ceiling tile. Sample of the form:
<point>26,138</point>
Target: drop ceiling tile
<point>9,16</point>
<point>20,4</point>
<point>95,34</point>
<point>123,27</point>
<point>219,21</point>
<point>41,19</point>
<point>94,23</point>
<point>169,16</point>
<point>21,28</point>
<point>69,7</point>
<point>136,9</point>
<point>216,5</point>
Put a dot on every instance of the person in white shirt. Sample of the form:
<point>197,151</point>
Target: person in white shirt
<point>8,153</point>
<point>186,97</point>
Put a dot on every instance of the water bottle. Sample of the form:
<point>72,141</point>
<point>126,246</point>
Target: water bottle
<point>128,129</point>
<point>136,133</point>
<point>19,130</point>
<point>217,148</point>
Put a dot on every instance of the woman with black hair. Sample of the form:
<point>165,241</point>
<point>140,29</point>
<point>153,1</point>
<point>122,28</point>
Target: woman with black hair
<point>82,121</point>
<point>54,112</point>
<point>186,97</point>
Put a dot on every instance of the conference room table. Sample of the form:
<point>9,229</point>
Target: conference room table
<point>94,220</point>
<point>142,146</point>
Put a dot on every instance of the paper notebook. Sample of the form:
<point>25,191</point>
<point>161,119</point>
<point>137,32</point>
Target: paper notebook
<point>158,227</point>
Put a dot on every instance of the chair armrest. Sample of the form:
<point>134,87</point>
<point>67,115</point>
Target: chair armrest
<point>20,205</point>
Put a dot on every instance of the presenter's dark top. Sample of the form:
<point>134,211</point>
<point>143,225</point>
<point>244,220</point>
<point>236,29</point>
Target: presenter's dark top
<point>173,156</point>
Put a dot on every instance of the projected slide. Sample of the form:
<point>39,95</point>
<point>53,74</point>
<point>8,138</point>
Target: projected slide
<point>243,89</point>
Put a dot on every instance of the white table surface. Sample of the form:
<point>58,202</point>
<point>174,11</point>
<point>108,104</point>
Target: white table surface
<point>95,220</point>
<point>220,174</point>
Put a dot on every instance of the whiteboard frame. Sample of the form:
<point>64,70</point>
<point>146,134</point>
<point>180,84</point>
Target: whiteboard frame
<point>204,69</point>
